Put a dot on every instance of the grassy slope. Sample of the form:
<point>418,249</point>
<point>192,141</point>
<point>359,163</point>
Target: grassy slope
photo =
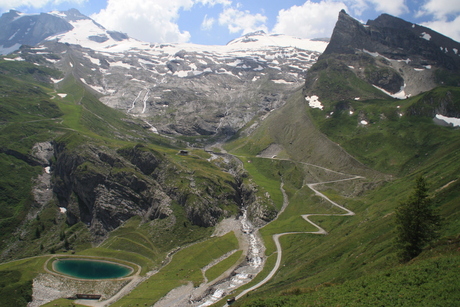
<point>27,116</point>
<point>30,114</point>
<point>357,246</point>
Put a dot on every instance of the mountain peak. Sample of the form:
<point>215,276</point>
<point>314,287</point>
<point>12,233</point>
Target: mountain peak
<point>393,37</point>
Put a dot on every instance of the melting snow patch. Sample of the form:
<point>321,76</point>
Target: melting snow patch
<point>374,54</point>
<point>121,64</point>
<point>426,36</point>
<point>364,122</point>
<point>62,95</point>
<point>313,102</point>
<point>357,98</point>
<point>399,95</point>
<point>62,209</point>
<point>15,59</point>
<point>450,120</point>
<point>56,80</point>
<point>280,81</point>
<point>47,169</point>
<point>455,50</point>
<point>427,66</point>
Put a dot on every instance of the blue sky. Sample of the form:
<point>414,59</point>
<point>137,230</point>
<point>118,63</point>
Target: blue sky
<point>219,21</point>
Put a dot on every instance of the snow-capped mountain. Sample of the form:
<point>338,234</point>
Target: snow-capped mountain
<point>185,89</point>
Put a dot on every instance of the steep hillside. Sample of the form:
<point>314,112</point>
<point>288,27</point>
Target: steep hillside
<point>346,117</point>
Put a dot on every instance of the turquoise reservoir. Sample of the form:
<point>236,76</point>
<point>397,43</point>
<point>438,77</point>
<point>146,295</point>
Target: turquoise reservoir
<point>91,269</point>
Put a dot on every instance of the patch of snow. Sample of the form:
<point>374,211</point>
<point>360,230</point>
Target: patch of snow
<point>56,80</point>
<point>363,122</point>
<point>121,64</point>
<point>281,81</point>
<point>12,36</point>
<point>399,95</point>
<point>351,112</point>
<point>407,61</point>
<point>93,60</point>
<point>426,36</point>
<point>62,95</point>
<point>419,69</point>
<point>58,14</point>
<point>351,67</point>
<point>146,97</point>
<point>15,59</point>
<point>181,73</point>
<point>450,120</point>
<point>413,26</point>
<point>71,64</point>
<point>427,66</point>
<point>99,89</point>
<point>455,50</point>
<point>47,169</point>
<point>62,209</point>
<point>313,102</point>
<point>374,54</point>
<point>7,50</point>
<point>357,98</point>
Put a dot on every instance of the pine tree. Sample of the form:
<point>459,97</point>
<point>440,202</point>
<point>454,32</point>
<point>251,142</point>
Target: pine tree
<point>417,223</point>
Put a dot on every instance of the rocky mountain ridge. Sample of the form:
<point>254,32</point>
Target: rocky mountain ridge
<point>168,85</point>
<point>399,58</point>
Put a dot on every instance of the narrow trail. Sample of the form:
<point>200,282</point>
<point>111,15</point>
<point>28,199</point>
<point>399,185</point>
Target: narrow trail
<point>320,231</point>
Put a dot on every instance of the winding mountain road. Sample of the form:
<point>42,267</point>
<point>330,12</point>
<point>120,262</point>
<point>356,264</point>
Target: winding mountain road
<point>320,230</point>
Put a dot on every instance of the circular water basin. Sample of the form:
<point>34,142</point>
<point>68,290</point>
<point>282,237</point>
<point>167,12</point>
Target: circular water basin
<point>91,269</point>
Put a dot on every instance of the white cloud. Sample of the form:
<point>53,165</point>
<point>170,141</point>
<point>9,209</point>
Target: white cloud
<point>207,23</point>
<point>393,7</point>
<point>151,21</point>
<point>8,4</point>
<point>441,9</point>
<point>310,20</point>
<point>447,28</point>
<point>242,21</point>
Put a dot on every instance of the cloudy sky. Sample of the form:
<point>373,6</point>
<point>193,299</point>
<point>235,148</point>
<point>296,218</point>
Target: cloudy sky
<point>219,21</point>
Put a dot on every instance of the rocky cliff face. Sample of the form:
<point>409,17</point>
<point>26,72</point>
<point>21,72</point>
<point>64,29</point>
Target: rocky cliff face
<point>398,57</point>
<point>396,39</point>
<point>103,188</point>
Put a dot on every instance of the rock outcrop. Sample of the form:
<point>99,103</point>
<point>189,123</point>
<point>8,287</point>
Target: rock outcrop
<point>103,188</point>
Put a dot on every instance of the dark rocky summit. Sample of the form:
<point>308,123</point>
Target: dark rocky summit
<point>394,38</point>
